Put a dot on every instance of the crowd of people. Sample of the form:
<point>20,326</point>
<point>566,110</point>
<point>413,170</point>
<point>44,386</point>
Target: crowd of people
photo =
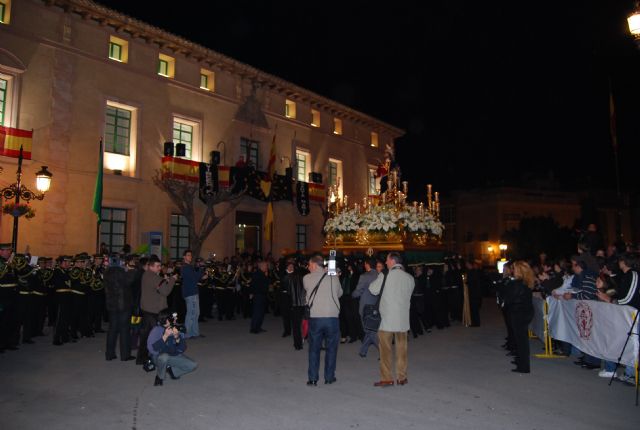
<point>153,308</point>
<point>609,275</point>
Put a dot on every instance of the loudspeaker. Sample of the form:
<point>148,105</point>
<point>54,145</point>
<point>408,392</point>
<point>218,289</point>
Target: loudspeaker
<point>215,158</point>
<point>181,150</point>
<point>168,149</point>
<point>315,177</point>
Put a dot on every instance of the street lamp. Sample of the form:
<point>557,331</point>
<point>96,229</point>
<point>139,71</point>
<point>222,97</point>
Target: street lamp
<point>18,191</point>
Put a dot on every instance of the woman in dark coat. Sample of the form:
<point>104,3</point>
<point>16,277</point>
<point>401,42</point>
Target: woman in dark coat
<point>519,307</point>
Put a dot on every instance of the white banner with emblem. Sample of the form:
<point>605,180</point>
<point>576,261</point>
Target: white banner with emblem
<point>595,328</point>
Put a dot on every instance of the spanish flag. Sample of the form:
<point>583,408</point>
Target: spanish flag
<point>224,177</point>
<point>316,192</point>
<point>12,138</point>
<point>181,169</point>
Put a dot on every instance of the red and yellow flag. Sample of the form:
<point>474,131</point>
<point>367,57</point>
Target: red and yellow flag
<point>178,168</point>
<point>12,138</point>
<point>224,177</point>
<point>316,192</point>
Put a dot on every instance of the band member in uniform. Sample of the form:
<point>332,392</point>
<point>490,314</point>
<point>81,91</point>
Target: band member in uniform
<point>25,316</point>
<point>52,302</point>
<point>245,287</point>
<point>8,292</point>
<point>95,294</point>
<point>62,285</point>
<point>39,292</point>
<point>79,286</point>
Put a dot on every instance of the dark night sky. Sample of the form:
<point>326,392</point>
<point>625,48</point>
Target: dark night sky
<point>490,92</point>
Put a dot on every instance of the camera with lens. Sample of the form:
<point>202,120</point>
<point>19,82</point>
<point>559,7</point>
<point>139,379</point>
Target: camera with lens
<point>173,323</point>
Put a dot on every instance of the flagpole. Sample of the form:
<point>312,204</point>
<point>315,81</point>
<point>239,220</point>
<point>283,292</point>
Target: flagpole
<point>614,144</point>
<point>97,196</point>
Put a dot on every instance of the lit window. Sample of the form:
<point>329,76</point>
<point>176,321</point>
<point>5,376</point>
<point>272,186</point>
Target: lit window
<point>178,236</point>
<point>249,150</point>
<point>290,109</point>
<point>335,174</point>
<point>337,126</point>
<point>4,86</point>
<point>117,135</point>
<point>166,66</point>
<point>113,228</point>
<point>207,81</point>
<point>120,131</point>
<point>302,163</point>
<point>183,133</point>
<point>374,139</point>
<point>118,49</point>
<point>5,11</point>
<point>301,237</point>
<point>315,118</point>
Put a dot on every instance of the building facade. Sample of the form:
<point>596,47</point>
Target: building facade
<point>76,72</point>
<point>476,220</point>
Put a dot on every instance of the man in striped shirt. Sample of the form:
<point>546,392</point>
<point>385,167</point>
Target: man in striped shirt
<point>584,281</point>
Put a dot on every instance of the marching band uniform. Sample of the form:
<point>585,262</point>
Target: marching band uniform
<point>62,286</point>
<point>8,293</point>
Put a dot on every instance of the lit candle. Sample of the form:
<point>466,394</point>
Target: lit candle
<point>405,187</point>
<point>346,200</point>
<point>421,208</point>
<point>357,208</point>
<point>437,199</point>
<point>429,196</point>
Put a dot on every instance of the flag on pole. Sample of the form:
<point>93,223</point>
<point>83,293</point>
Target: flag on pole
<point>11,139</point>
<point>266,188</point>
<point>268,224</point>
<point>97,194</point>
<point>271,167</point>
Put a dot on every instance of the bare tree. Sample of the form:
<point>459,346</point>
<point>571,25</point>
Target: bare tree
<point>184,195</point>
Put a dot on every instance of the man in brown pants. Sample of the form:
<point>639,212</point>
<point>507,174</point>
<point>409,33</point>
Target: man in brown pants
<point>394,310</point>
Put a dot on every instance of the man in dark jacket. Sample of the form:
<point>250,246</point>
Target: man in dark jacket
<point>291,285</point>
<point>259,288</point>
<point>119,301</point>
<point>366,298</point>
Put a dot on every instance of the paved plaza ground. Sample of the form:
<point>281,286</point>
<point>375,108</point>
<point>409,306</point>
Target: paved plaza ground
<point>458,378</point>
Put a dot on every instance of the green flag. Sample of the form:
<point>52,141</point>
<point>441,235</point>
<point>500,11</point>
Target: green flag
<point>97,195</point>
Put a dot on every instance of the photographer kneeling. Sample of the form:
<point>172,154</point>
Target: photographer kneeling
<point>166,344</point>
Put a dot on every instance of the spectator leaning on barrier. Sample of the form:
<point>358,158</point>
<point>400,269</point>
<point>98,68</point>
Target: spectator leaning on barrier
<point>584,281</point>
<point>628,294</point>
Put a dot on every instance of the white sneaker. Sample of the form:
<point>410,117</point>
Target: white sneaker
<point>604,374</point>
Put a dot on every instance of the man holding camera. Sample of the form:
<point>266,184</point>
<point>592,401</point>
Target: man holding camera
<point>323,298</point>
<point>153,298</point>
<point>166,346</point>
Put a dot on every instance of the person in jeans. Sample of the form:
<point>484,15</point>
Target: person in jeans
<point>166,346</point>
<point>394,310</point>
<point>324,324</point>
<point>190,277</point>
<point>365,297</point>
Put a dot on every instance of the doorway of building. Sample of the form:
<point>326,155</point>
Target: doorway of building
<point>248,233</point>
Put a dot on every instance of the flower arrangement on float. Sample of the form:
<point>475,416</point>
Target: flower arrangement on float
<point>385,218</point>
